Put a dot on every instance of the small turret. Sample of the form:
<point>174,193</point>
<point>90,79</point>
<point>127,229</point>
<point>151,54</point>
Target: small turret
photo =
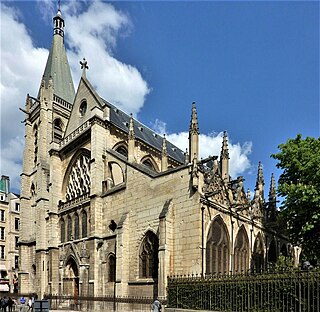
<point>193,135</point>
<point>272,207</point>
<point>259,189</point>
<point>164,154</point>
<point>224,158</point>
<point>58,24</point>
<point>131,140</point>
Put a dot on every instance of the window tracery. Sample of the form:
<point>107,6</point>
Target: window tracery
<point>241,251</point>
<point>149,256</point>
<point>79,178</point>
<point>217,249</point>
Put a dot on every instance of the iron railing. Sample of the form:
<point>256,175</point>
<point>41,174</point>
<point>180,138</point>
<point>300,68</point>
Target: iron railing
<point>295,291</point>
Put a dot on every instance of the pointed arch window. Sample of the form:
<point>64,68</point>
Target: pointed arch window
<point>217,249</point>
<point>112,268</point>
<point>79,178</point>
<point>69,237</point>
<point>149,256</point>
<point>122,150</point>
<point>84,224</point>
<point>272,252</point>
<point>62,231</point>
<point>76,226</point>
<point>57,130</point>
<point>241,251</point>
<point>258,254</point>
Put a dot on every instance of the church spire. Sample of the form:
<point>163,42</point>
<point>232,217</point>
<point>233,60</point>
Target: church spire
<point>164,154</point>
<point>131,140</point>
<point>272,199</point>
<point>194,135</point>
<point>57,67</point>
<point>224,158</point>
<point>260,182</point>
<point>272,191</point>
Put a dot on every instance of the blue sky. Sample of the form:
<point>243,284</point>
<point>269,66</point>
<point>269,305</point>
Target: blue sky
<point>251,67</point>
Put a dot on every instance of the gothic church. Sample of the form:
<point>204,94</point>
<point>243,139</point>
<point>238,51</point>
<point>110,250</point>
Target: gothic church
<point>106,202</point>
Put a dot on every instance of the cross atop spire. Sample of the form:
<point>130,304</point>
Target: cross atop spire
<point>84,66</point>
<point>58,5</point>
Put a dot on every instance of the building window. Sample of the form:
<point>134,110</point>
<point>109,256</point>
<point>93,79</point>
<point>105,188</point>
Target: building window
<point>69,229</point>
<point>258,254</point>
<point>76,226</point>
<point>16,262</point>
<point>84,224</point>
<point>1,252</point>
<point>57,130</point>
<point>241,251</point>
<point>83,108</point>
<point>2,230</point>
<point>62,231</point>
<point>17,224</point>
<point>2,215</point>
<point>122,150</point>
<point>149,256</point>
<point>112,268</point>
<point>16,242</point>
<point>149,164</point>
<point>217,249</point>
<point>17,207</point>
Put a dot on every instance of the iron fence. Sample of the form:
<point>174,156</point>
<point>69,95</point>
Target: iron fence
<point>102,303</point>
<point>295,291</point>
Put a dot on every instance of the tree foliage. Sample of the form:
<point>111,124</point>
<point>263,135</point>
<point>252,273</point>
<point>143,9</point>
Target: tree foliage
<point>299,184</point>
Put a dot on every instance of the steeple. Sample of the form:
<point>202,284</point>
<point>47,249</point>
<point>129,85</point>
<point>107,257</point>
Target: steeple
<point>194,135</point>
<point>224,158</point>
<point>272,207</point>
<point>272,191</point>
<point>131,140</point>
<point>57,67</point>
<point>164,154</point>
<point>260,182</point>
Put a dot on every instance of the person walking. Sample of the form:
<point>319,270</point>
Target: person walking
<point>10,304</point>
<point>29,304</point>
<point>4,304</point>
<point>156,306</point>
<point>22,304</point>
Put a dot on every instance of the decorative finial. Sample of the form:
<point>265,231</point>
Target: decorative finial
<point>225,149</point>
<point>194,127</point>
<point>84,66</point>
<point>58,5</point>
<point>164,146</point>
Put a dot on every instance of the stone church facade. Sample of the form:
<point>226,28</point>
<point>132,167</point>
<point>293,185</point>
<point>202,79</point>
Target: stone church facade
<point>106,203</point>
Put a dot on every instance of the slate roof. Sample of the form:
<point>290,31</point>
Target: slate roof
<point>58,68</point>
<point>121,120</point>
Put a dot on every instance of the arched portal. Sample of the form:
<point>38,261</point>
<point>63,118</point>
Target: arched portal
<point>71,279</point>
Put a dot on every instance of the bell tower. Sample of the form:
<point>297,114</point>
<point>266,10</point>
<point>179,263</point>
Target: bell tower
<point>46,119</point>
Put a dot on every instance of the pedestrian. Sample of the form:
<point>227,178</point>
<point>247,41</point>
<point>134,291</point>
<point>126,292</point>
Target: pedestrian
<point>29,304</point>
<point>156,305</point>
<point>22,303</point>
<point>10,304</point>
<point>4,304</point>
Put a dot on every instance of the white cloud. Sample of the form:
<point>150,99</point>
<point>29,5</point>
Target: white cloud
<point>22,66</point>
<point>91,33</point>
<point>210,145</point>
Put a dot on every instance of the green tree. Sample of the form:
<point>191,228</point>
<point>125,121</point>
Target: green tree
<point>299,185</point>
